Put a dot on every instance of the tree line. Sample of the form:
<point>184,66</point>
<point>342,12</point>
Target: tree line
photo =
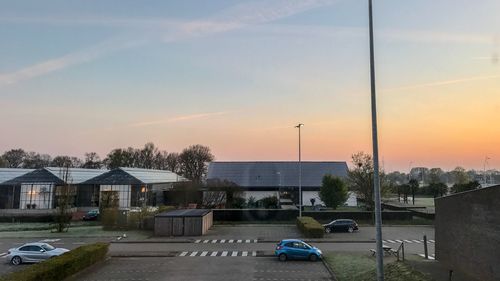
<point>191,162</point>
<point>435,182</point>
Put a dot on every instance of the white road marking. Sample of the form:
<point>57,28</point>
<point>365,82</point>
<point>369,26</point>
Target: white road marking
<point>224,254</point>
<point>255,240</point>
<point>391,241</point>
<point>247,241</point>
<point>244,254</point>
<point>254,254</point>
<point>197,241</point>
<point>416,241</point>
<point>432,241</point>
<point>234,254</point>
<point>204,253</point>
<point>399,241</point>
<point>223,241</point>
<point>213,254</point>
<point>78,243</point>
<point>193,254</point>
<point>183,254</point>
<point>3,254</point>
<point>408,241</point>
<point>50,240</point>
<point>239,241</point>
<point>214,241</point>
<point>205,241</point>
<point>231,241</point>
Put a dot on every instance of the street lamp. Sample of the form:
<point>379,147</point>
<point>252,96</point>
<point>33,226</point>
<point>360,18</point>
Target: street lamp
<point>300,173</point>
<point>376,178</point>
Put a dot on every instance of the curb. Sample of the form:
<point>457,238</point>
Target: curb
<point>329,269</point>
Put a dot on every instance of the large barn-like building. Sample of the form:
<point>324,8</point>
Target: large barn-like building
<point>277,178</point>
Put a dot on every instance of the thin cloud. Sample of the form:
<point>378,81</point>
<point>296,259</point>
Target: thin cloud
<point>230,19</point>
<point>442,83</point>
<point>179,119</point>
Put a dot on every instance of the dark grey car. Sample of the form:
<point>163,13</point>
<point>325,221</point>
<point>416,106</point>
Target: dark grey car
<point>33,252</point>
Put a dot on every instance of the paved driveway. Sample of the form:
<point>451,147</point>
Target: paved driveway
<point>205,268</point>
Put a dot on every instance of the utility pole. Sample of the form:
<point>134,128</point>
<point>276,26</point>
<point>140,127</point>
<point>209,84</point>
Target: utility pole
<point>376,178</point>
<point>300,173</point>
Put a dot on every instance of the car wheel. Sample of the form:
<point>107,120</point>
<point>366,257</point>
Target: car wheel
<point>328,230</point>
<point>313,257</point>
<point>350,229</point>
<point>282,257</point>
<point>16,260</point>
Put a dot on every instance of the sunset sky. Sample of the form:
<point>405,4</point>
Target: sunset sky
<point>81,76</point>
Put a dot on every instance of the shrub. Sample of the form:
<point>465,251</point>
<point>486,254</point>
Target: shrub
<point>310,227</point>
<point>63,266</point>
<point>269,202</point>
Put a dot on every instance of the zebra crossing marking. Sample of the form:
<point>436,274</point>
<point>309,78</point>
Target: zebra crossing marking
<point>213,241</point>
<point>407,241</point>
<point>219,254</point>
<point>3,254</point>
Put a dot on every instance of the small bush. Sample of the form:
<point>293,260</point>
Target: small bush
<point>310,227</point>
<point>63,266</point>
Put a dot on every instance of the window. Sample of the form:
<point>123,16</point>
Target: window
<point>25,248</point>
<point>36,196</point>
<point>48,247</point>
<point>122,191</point>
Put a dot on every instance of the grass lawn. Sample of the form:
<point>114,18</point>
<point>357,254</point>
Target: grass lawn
<point>361,267</point>
<point>419,201</point>
<point>80,232</point>
<point>31,226</point>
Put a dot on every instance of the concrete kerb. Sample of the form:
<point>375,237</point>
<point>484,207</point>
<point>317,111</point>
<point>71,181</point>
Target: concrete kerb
<point>329,269</point>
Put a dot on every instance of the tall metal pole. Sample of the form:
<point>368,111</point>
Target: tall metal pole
<point>376,179</point>
<point>300,173</point>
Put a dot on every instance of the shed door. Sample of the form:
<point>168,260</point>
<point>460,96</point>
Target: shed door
<point>178,226</point>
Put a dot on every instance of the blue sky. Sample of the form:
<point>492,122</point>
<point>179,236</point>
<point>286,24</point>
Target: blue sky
<point>79,76</point>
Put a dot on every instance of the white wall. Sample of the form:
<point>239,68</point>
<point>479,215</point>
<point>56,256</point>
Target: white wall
<point>306,198</point>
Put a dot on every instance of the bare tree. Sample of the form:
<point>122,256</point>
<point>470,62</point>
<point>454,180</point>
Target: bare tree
<point>194,162</point>
<point>92,161</point>
<point>64,195</point>
<point>14,157</point>
<point>173,162</point>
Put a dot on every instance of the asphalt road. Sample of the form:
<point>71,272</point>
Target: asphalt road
<point>206,269</point>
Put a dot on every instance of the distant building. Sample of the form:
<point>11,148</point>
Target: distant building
<point>278,178</point>
<point>40,189</point>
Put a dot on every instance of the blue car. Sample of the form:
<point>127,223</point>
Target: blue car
<point>297,249</point>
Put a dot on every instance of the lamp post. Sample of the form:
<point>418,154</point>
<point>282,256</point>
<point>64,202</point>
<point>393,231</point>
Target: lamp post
<point>300,173</point>
<point>376,179</point>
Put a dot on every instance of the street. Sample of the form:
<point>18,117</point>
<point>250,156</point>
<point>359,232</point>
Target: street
<point>225,254</point>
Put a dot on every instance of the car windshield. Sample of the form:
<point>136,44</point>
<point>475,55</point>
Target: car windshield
<point>47,247</point>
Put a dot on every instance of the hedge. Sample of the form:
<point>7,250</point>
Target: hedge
<point>310,227</point>
<point>63,266</point>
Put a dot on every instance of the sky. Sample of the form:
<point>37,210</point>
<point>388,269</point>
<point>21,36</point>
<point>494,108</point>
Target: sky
<point>81,76</point>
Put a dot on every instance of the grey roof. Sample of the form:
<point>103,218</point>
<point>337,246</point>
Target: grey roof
<point>153,176</point>
<point>76,175</point>
<point>268,174</point>
<point>55,175</point>
<point>185,213</point>
<point>7,174</point>
<point>129,176</point>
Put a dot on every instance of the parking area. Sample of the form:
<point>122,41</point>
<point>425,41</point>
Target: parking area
<point>205,268</point>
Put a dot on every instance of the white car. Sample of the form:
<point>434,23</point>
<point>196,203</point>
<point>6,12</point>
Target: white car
<point>33,252</point>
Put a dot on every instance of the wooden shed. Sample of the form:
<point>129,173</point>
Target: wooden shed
<point>189,222</point>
